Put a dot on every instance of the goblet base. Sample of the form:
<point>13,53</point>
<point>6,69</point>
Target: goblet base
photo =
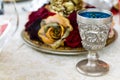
<point>99,69</point>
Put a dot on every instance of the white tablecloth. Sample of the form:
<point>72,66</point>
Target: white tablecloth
<point>20,62</point>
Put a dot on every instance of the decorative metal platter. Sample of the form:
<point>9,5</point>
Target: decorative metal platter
<point>39,46</point>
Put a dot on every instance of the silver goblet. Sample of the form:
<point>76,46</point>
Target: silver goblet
<point>94,26</point>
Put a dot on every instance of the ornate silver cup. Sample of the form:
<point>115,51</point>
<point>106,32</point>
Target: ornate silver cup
<point>94,26</point>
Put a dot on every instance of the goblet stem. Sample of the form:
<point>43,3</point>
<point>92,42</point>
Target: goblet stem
<point>92,58</point>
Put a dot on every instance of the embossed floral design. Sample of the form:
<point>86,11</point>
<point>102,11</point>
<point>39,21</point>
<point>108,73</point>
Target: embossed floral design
<point>94,36</point>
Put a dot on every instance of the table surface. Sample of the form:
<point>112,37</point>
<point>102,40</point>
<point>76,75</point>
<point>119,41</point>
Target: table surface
<point>20,62</point>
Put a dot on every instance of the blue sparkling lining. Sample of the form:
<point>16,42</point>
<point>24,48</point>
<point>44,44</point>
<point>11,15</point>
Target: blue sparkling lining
<point>94,14</point>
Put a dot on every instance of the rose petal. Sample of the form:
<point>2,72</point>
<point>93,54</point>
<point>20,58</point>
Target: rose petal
<point>114,11</point>
<point>73,40</point>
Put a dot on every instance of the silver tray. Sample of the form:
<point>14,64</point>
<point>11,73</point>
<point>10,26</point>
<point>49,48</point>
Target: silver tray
<point>39,46</point>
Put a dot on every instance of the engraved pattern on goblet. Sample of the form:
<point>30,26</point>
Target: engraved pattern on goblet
<point>93,36</point>
<point>94,33</point>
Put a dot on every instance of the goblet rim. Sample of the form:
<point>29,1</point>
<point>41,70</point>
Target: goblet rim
<point>95,10</point>
<point>98,20</point>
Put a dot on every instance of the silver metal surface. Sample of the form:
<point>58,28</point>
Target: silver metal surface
<point>94,33</point>
<point>100,69</point>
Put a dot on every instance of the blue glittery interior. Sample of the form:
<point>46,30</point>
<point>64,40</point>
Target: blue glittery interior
<point>94,14</point>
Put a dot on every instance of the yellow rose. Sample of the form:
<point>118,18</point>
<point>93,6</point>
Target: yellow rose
<point>54,30</point>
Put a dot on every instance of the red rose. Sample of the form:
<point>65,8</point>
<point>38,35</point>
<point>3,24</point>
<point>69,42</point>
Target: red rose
<point>73,40</point>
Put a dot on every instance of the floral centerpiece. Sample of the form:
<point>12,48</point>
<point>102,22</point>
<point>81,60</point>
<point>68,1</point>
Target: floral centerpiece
<point>55,24</point>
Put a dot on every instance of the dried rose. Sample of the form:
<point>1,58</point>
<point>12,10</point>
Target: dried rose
<point>54,30</point>
<point>73,40</point>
